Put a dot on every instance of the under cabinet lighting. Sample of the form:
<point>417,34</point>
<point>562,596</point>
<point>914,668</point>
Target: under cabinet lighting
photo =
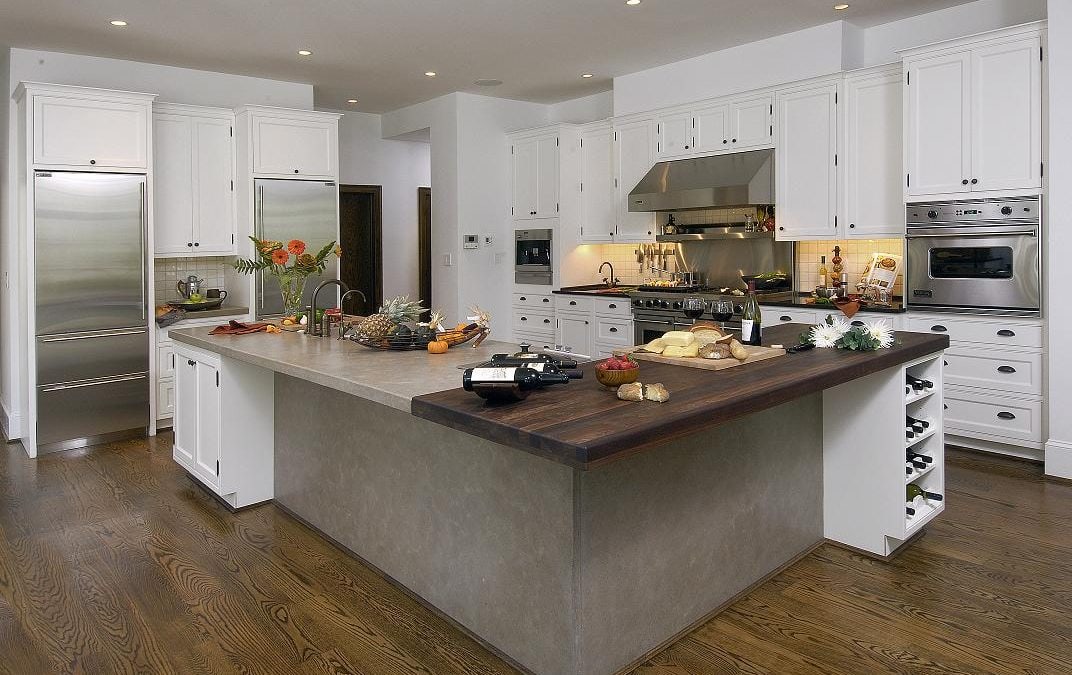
<point>118,22</point>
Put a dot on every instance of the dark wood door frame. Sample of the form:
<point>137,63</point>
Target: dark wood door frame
<point>376,191</point>
<point>424,245</point>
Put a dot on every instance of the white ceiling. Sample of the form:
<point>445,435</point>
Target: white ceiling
<point>378,50</point>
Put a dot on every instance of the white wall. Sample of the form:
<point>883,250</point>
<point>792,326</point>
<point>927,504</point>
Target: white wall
<point>882,42</point>
<point>178,85</point>
<point>586,109</point>
<point>366,158</point>
<point>784,58</point>
<point>1059,241</point>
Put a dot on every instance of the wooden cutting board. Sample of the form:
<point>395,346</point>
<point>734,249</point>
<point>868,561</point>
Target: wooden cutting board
<point>754,354</point>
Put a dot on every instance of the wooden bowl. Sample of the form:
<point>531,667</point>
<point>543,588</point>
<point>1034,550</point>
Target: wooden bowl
<point>616,378</point>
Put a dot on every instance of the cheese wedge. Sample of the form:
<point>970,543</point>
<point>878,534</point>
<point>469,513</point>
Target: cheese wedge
<point>678,338</point>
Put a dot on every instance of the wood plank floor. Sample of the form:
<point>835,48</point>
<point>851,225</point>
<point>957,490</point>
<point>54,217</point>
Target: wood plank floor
<point>112,561</point>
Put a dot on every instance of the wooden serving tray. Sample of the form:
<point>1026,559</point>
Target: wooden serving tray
<point>754,354</point>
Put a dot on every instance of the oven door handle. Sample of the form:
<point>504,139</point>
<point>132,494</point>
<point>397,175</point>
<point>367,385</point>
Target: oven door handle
<point>949,233</point>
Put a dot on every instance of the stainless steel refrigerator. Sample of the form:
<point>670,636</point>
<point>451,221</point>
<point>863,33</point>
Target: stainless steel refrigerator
<point>91,308</point>
<point>294,209</point>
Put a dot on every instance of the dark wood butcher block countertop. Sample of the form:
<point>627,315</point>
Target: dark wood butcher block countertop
<point>583,424</point>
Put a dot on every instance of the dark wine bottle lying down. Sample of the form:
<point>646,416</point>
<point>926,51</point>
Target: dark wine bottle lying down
<point>496,382</point>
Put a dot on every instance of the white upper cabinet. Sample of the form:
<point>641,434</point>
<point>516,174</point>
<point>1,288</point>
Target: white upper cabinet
<point>1006,122</point>
<point>750,123</point>
<point>634,149</point>
<point>674,135</point>
<point>712,129</point>
<point>973,116</point>
<point>870,162</point>
<point>194,209</point>
<point>90,134</point>
<point>294,143</point>
<point>806,182</point>
<point>598,195</point>
<point>535,177</point>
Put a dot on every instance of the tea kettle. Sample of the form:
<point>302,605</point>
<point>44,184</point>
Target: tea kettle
<point>192,286</point>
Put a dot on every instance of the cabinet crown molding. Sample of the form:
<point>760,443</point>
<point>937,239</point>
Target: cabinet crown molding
<point>165,108</point>
<point>45,89</point>
<point>287,113</point>
<point>1032,28</point>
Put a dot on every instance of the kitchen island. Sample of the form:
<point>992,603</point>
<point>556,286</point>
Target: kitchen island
<point>573,532</point>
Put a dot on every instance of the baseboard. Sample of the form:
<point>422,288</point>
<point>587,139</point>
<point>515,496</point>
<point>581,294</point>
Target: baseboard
<point>1059,459</point>
<point>10,424</point>
<point>1006,449</point>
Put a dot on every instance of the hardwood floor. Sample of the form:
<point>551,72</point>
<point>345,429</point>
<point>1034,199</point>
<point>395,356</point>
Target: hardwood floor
<point>112,561</point>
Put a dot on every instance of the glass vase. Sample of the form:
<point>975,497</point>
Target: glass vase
<point>292,288</point>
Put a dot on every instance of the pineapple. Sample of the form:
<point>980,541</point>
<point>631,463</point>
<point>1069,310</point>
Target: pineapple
<point>393,313</point>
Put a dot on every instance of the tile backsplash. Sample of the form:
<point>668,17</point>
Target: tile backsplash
<point>169,271</point>
<point>854,253</point>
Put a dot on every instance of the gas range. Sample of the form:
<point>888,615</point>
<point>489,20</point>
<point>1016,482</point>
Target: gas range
<point>658,311</point>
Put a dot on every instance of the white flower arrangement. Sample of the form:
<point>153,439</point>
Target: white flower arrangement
<point>840,334</point>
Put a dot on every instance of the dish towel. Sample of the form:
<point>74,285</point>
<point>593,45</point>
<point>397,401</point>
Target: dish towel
<point>238,328</point>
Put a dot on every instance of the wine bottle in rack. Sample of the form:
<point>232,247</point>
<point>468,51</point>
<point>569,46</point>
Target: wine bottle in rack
<point>910,511</point>
<point>908,469</point>
<point>917,384</point>
<point>919,466</point>
<point>918,425</point>
<point>909,434</point>
<point>919,457</point>
<point>912,491</point>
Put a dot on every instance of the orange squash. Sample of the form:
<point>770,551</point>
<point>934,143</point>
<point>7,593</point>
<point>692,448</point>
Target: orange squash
<point>438,347</point>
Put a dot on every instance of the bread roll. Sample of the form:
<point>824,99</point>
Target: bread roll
<point>656,392</point>
<point>633,391</point>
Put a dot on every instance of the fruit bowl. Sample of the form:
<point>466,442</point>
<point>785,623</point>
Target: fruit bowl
<point>616,378</point>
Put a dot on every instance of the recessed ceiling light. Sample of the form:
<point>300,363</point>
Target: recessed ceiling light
<point>632,2</point>
<point>841,6</point>
<point>304,52</point>
<point>430,73</point>
<point>587,75</point>
<point>351,100</point>
<point>118,22</point>
<point>488,82</point>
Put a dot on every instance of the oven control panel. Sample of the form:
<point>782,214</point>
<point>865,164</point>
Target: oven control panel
<point>1015,210</point>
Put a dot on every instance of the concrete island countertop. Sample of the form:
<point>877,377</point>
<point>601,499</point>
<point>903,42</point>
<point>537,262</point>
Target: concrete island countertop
<point>387,377</point>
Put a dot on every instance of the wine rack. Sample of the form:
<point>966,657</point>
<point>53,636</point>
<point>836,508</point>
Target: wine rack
<point>867,449</point>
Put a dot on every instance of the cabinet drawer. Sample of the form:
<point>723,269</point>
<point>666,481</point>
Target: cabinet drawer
<point>165,399</point>
<point>533,300</point>
<point>612,307</point>
<point>528,322</point>
<point>165,361</point>
<point>1011,332</point>
<point>993,416</point>
<point>1002,370</point>
<point>573,303</point>
<point>772,316</point>
<point>610,332</point>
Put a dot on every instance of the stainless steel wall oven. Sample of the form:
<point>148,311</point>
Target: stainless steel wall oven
<point>533,256</point>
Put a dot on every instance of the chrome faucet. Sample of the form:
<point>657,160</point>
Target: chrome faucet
<point>612,281</point>
<point>311,326</point>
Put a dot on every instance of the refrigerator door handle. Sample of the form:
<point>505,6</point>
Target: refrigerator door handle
<point>143,225</point>
<point>87,336</point>
<point>93,383</point>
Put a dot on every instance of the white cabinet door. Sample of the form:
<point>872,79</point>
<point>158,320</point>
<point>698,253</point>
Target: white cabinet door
<point>525,170</point>
<point>806,175</point>
<point>635,145</point>
<point>573,333</point>
<point>547,177</point>
<point>165,399</point>
<point>207,450</point>
<point>185,421</point>
<point>675,135</point>
<point>1006,119</point>
<point>712,129</point>
<point>214,215</point>
<point>938,125</point>
<point>173,194</point>
<point>598,197</point>
<point>294,148</point>
<point>90,134</point>
<point>873,204</point>
<point>750,123</point>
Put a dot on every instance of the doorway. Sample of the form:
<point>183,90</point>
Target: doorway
<point>424,245</point>
<point>361,238</point>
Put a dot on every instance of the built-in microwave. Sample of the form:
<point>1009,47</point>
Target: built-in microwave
<point>978,256</point>
<point>534,256</point>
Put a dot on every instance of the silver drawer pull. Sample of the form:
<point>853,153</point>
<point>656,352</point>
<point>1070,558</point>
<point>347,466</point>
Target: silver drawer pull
<point>1006,369</point>
<point>1006,415</point>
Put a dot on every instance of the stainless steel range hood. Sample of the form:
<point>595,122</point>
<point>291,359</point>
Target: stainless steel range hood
<point>737,179</point>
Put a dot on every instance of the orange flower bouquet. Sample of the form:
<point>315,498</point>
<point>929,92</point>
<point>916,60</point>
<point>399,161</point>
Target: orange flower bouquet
<point>275,258</point>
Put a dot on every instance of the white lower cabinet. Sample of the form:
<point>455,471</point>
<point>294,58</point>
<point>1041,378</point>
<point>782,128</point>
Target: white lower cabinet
<point>582,326</point>
<point>224,435</point>
<point>573,333</point>
<point>165,399</point>
<point>994,381</point>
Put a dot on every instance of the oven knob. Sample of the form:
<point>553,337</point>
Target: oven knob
<point>665,304</point>
<point>932,214</point>
<point>1006,210</point>
<point>738,309</point>
<point>649,303</point>
<point>677,305</point>
<point>638,303</point>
